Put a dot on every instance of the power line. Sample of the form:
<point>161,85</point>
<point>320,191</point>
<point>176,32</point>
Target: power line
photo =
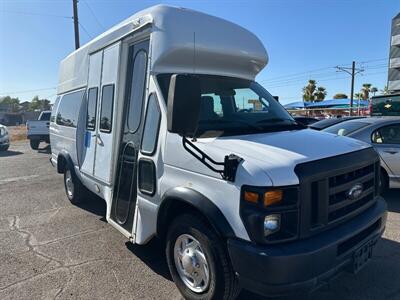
<point>94,15</point>
<point>28,91</point>
<point>35,14</point>
<point>84,29</point>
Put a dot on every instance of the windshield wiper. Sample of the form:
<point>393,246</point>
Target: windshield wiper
<point>275,120</point>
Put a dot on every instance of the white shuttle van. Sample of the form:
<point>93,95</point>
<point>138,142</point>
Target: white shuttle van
<point>161,117</point>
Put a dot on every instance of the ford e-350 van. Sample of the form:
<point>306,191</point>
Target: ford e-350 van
<point>161,117</point>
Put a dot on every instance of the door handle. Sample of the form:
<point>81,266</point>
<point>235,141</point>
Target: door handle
<point>95,135</point>
<point>391,151</point>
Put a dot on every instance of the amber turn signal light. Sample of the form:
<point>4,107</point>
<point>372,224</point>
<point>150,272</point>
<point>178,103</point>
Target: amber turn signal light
<point>273,197</point>
<point>251,197</point>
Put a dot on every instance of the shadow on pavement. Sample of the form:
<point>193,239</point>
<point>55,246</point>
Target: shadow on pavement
<point>10,153</point>
<point>153,255</point>
<point>95,205</point>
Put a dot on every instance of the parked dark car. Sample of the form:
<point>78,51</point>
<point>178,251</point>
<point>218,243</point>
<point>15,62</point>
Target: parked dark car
<point>320,125</point>
<point>306,121</point>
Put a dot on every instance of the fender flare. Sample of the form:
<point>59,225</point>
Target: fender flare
<point>198,202</point>
<point>65,155</point>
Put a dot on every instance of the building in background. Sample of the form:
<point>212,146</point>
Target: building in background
<point>394,57</point>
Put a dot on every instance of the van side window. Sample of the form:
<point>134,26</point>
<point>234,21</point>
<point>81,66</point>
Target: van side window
<point>68,111</point>
<point>91,109</point>
<point>53,112</point>
<point>151,126</point>
<point>137,89</point>
<point>107,103</point>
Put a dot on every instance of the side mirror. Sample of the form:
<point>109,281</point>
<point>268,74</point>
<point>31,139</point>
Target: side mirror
<point>184,99</point>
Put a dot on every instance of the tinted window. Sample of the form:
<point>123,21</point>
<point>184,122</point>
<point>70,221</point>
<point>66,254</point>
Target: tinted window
<point>91,109</point>
<point>53,112</point>
<point>386,106</point>
<point>68,111</point>
<point>137,90</point>
<point>106,114</point>
<point>152,123</point>
<point>45,116</point>
<point>387,135</point>
<point>345,128</point>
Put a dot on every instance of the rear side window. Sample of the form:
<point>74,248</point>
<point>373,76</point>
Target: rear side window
<point>387,135</point>
<point>345,128</point>
<point>107,103</point>
<point>68,111</point>
<point>91,109</point>
<point>53,112</point>
<point>151,127</point>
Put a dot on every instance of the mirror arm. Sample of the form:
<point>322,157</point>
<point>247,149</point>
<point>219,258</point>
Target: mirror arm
<point>230,164</point>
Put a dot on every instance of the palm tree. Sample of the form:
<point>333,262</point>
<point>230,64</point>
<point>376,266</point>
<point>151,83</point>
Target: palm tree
<point>365,90</point>
<point>385,90</point>
<point>340,96</point>
<point>374,90</point>
<point>358,96</point>
<point>320,94</point>
<point>308,90</point>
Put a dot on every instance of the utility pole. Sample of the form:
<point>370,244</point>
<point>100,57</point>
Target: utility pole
<point>352,72</point>
<point>76,23</point>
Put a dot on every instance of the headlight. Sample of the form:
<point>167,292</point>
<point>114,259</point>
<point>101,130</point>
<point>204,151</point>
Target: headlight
<point>2,131</point>
<point>270,215</point>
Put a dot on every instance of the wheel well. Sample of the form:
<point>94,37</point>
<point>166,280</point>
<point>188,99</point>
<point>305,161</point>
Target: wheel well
<point>174,208</point>
<point>61,164</point>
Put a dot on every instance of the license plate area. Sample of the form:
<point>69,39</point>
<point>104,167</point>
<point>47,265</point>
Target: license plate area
<point>362,255</point>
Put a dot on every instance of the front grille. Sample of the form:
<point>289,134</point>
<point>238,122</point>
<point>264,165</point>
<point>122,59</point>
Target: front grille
<point>339,203</point>
<point>324,188</point>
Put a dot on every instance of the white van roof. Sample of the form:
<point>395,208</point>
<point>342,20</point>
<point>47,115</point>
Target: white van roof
<point>183,41</point>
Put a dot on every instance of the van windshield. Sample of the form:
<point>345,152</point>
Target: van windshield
<point>232,106</point>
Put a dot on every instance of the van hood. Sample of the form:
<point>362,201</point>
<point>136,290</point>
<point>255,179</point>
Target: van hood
<point>278,153</point>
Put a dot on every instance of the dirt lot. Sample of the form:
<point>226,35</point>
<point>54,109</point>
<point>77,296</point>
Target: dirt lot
<point>50,249</point>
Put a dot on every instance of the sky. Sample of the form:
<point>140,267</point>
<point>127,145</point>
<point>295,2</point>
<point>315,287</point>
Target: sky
<point>305,39</point>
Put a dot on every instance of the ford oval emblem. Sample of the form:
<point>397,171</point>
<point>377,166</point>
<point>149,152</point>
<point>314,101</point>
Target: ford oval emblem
<point>355,191</point>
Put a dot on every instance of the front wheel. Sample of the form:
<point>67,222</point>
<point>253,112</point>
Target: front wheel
<point>73,187</point>
<point>198,260</point>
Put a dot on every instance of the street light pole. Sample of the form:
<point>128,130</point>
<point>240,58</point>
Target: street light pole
<point>353,71</point>
<point>76,23</point>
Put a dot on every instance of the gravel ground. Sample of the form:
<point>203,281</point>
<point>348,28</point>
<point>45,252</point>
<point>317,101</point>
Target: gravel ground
<point>50,249</point>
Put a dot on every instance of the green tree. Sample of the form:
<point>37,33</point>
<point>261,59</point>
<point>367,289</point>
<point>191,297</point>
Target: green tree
<point>39,104</point>
<point>13,102</point>
<point>340,96</point>
<point>308,91</point>
<point>358,96</point>
<point>365,90</point>
<point>320,94</point>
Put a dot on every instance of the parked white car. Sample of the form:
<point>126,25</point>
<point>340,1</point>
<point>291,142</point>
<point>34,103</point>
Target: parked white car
<point>4,138</point>
<point>383,133</point>
<point>38,130</point>
<point>162,118</point>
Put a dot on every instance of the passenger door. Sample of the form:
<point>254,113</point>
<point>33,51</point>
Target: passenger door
<point>125,190</point>
<point>387,142</point>
<point>94,81</point>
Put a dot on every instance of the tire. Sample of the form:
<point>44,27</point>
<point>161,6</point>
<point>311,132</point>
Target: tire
<point>222,281</point>
<point>4,148</point>
<point>74,189</point>
<point>34,144</point>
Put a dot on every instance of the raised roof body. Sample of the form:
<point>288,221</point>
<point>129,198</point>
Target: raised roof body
<point>182,41</point>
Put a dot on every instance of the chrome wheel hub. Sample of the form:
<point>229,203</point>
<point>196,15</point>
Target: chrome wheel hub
<point>69,184</point>
<point>191,263</point>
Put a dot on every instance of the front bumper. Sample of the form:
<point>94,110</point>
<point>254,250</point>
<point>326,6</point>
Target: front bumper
<point>301,266</point>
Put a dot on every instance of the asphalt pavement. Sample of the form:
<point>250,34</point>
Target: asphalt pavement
<point>51,249</point>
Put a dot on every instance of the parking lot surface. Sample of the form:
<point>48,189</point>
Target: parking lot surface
<point>51,249</point>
